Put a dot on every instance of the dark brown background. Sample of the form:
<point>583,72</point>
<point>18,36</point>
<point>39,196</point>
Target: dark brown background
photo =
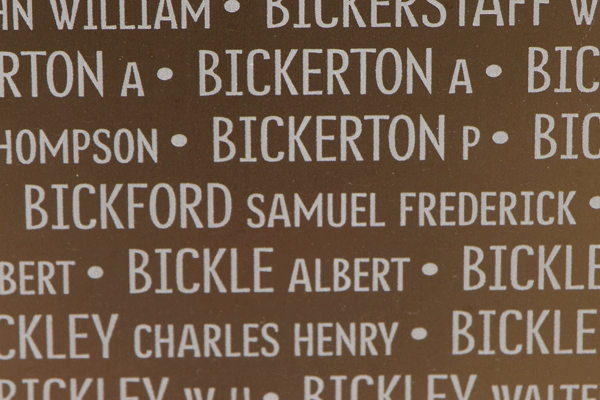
<point>175,107</point>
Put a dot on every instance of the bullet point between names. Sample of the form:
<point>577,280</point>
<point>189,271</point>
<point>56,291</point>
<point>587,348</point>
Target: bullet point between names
<point>493,71</point>
<point>595,202</point>
<point>500,137</point>
<point>419,333</point>
<point>271,396</point>
<point>164,74</point>
<point>179,140</point>
<point>232,6</point>
<point>430,269</point>
<point>95,272</point>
